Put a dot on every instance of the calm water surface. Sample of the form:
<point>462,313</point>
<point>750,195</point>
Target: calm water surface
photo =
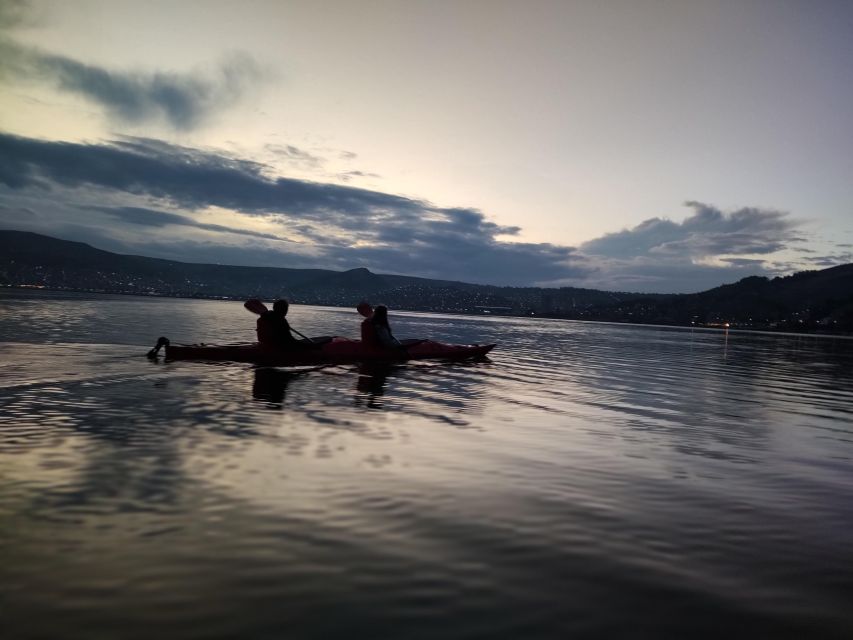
<point>589,480</point>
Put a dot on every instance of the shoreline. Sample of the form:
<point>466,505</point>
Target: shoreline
<point>732,327</point>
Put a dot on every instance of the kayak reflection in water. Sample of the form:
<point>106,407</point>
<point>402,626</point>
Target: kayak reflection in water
<point>270,386</point>
<point>370,386</point>
<point>274,330</point>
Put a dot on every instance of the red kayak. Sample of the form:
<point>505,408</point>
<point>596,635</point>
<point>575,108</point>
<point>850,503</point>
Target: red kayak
<point>322,351</point>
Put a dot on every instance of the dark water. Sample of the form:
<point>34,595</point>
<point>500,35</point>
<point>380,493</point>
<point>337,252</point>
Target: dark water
<point>590,480</point>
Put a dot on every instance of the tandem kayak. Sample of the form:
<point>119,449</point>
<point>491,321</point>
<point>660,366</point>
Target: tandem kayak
<point>324,350</point>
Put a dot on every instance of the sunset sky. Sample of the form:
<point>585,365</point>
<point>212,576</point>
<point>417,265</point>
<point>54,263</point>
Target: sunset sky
<point>625,145</point>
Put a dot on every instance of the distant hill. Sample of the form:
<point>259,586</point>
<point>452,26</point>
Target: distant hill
<point>33,259</point>
<point>807,300</point>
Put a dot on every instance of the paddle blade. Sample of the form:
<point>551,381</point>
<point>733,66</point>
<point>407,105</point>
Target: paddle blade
<point>255,306</point>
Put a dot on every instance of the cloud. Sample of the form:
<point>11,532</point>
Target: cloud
<point>183,100</point>
<point>149,184</point>
<point>152,218</point>
<point>708,232</point>
<point>16,214</point>
<point>295,155</point>
<point>830,260</point>
<point>14,13</point>
<point>346,176</point>
<point>744,262</point>
<point>187,177</point>
<point>516,264</point>
<point>649,276</point>
<point>348,226</point>
<point>708,248</point>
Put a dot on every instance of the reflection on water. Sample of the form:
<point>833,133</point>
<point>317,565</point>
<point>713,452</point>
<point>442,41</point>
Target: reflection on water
<point>590,480</point>
<point>370,387</point>
<point>270,385</point>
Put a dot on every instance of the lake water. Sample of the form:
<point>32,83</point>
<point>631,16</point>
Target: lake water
<point>588,480</point>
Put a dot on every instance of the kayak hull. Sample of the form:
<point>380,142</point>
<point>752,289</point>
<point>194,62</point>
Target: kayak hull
<point>331,351</point>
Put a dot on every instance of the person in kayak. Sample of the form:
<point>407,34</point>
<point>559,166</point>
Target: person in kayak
<point>274,329</point>
<point>379,333</point>
<point>368,335</point>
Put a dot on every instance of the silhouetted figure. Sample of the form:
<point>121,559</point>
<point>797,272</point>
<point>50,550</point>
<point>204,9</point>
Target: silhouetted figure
<point>273,328</point>
<point>367,332</point>
<point>381,335</point>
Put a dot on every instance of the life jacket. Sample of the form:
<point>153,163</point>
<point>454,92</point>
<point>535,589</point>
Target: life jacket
<point>264,328</point>
<point>368,333</point>
<point>273,329</point>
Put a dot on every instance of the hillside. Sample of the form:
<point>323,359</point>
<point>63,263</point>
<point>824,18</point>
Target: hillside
<point>37,260</point>
<point>807,300</point>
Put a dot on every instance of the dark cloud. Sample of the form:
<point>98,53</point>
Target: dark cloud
<point>461,257</point>
<point>829,260</point>
<point>189,178</point>
<point>338,226</point>
<point>520,265</point>
<point>248,254</point>
<point>346,176</point>
<point>826,262</point>
<point>708,232</point>
<point>295,155</point>
<point>708,248</point>
<point>650,276</point>
<point>153,218</point>
<point>183,100</point>
<point>350,226</point>
<point>14,13</point>
<point>16,214</point>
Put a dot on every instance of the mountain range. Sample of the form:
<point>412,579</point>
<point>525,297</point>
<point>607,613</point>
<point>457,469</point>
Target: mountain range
<point>814,300</point>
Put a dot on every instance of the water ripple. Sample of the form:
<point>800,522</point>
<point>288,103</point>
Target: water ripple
<point>588,480</point>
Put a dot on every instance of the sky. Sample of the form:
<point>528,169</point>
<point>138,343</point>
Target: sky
<point>638,145</point>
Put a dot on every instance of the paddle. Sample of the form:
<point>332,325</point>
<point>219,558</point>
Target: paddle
<point>256,306</point>
<point>301,334</point>
<point>155,351</point>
